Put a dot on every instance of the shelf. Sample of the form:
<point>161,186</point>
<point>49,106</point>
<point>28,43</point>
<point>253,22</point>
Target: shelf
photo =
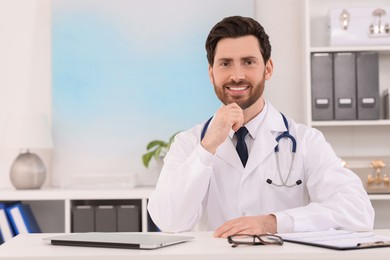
<point>380,48</point>
<point>379,196</point>
<point>70,194</point>
<point>355,141</point>
<point>59,203</point>
<point>348,138</point>
<point>383,122</point>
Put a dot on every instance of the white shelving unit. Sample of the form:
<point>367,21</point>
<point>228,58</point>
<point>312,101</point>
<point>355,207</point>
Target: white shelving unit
<point>352,140</point>
<point>379,197</point>
<point>354,137</point>
<point>52,207</point>
<point>348,138</point>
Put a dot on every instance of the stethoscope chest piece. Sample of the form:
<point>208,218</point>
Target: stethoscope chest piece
<point>287,135</point>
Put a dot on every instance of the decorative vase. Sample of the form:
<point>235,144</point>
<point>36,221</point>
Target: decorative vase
<point>28,171</point>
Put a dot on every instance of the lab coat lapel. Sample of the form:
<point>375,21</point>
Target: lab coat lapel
<point>263,145</point>
<point>227,152</point>
<point>265,142</point>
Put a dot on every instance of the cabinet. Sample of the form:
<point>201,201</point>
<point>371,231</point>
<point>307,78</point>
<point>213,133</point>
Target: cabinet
<point>352,138</point>
<point>356,141</point>
<point>52,207</point>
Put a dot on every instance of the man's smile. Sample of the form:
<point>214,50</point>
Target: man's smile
<point>238,88</point>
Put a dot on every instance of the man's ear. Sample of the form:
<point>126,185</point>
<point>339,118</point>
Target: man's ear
<point>211,74</point>
<point>269,68</point>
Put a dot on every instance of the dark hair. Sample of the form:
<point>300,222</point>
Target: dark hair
<point>234,27</point>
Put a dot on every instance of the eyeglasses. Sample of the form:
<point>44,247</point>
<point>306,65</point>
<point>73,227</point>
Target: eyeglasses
<point>263,239</point>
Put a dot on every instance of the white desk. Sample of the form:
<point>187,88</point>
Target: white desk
<point>204,246</point>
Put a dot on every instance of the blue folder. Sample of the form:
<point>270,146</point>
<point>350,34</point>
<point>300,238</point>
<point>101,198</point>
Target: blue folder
<point>6,231</point>
<point>22,219</point>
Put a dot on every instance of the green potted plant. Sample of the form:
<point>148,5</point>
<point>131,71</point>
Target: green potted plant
<point>156,149</point>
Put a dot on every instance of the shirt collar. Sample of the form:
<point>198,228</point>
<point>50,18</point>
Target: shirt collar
<point>254,124</point>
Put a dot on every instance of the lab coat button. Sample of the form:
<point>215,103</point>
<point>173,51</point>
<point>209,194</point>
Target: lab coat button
<point>243,213</point>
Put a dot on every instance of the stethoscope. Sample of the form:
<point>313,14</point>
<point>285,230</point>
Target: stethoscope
<point>285,134</point>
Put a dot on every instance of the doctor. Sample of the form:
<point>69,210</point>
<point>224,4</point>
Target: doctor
<point>208,183</point>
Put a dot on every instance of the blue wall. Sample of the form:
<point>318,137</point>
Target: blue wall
<point>126,72</point>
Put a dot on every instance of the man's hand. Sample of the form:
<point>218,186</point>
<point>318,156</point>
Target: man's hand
<point>251,225</point>
<point>227,117</point>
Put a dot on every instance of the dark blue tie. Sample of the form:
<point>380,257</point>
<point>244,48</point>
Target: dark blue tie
<point>241,147</point>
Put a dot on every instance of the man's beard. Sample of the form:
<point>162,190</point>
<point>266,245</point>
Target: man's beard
<point>256,93</point>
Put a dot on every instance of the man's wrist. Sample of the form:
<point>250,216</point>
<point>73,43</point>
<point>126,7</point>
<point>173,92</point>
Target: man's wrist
<point>211,149</point>
<point>271,226</point>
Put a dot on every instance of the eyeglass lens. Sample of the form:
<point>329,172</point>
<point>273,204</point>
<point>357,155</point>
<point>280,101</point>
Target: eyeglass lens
<point>255,240</point>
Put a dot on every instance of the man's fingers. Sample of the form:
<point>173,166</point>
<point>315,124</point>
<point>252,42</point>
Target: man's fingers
<point>247,225</point>
<point>226,118</point>
<point>232,227</point>
<point>236,126</point>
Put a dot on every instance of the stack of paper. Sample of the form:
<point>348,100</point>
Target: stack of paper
<point>338,239</point>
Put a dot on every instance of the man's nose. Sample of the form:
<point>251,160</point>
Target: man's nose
<point>237,74</point>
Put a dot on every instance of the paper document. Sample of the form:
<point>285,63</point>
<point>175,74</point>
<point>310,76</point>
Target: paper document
<point>338,239</point>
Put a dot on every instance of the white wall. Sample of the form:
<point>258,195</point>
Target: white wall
<point>283,20</point>
<point>25,79</point>
<point>25,70</point>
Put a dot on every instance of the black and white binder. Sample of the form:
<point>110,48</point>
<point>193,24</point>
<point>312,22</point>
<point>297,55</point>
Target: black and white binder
<point>367,68</point>
<point>83,218</point>
<point>105,218</point>
<point>129,218</point>
<point>322,86</point>
<point>386,99</point>
<point>344,71</point>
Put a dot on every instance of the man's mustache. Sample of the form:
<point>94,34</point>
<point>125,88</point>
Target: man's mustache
<point>237,83</point>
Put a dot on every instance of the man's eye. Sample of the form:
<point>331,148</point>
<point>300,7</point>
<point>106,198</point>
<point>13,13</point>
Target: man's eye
<point>249,62</point>
<point>224,64</point>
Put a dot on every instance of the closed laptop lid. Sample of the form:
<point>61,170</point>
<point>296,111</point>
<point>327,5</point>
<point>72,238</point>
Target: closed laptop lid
<point>119,240</point>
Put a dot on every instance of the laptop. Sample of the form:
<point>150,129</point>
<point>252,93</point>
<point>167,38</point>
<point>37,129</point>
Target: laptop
<point>126,240</point>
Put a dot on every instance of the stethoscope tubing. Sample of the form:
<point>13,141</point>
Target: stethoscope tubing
<point>285,134</point>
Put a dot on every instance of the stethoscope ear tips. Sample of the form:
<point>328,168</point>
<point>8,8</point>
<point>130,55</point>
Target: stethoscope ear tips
<point>269,181</point>
<point>299,182</point>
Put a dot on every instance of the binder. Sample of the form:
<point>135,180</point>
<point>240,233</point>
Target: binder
<point>322,86</point>
<point>344,71</point>
<point>83,218</point>
<point>152,227</point>
<point>6,232</point>
<point>128,218</point>
<point>105,218</point>
<point>367,68</point>
<point>386,99</point>
<point>22,219</point>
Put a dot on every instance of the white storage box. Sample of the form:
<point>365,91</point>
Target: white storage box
<point>359,26</point>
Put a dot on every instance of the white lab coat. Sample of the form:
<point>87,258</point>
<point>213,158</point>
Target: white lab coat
<point>199,190</point>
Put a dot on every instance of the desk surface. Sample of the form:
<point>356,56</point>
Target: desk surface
<point>204,246</point>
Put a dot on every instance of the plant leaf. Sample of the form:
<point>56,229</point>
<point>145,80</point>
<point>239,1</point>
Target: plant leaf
<point>155,143</point>
<point>146,158</point>
<point>160,149</point>
<point>157,152</point>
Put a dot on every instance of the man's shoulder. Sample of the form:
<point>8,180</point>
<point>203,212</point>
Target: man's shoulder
<point>304,130</point>
<point>193,132</point>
